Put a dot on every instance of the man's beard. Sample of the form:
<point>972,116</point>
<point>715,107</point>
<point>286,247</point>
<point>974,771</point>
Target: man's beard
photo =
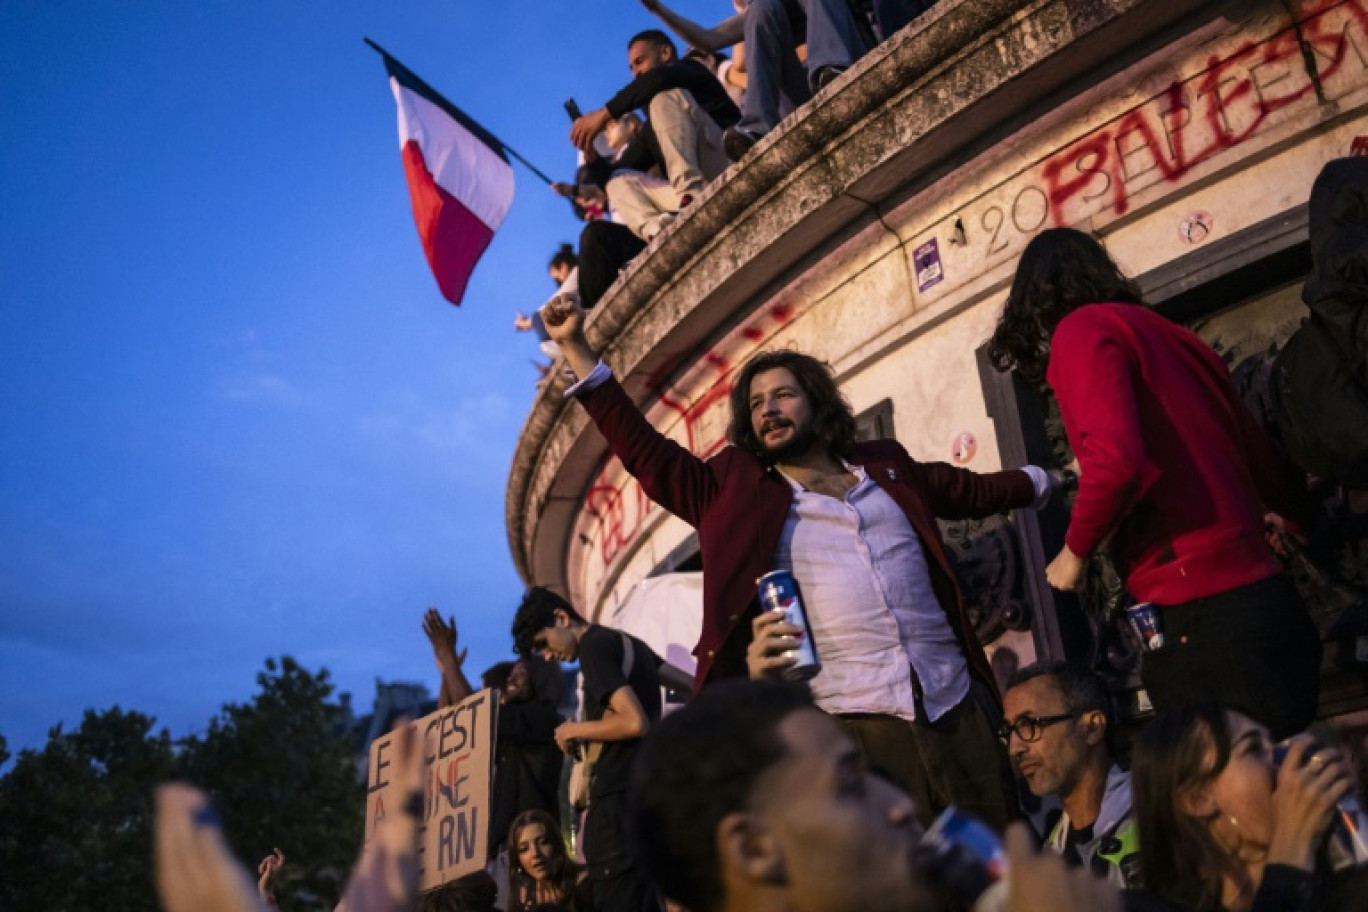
<point>797,444</point>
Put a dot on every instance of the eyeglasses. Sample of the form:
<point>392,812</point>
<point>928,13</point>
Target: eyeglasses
<point>1030,728</point>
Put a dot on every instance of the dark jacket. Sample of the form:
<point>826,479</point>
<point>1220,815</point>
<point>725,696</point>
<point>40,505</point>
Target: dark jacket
<point>689,75</point>
<point>739,506</point>
<point>527,765</point>
<point>1337,291</point>
<point>1319,387</point>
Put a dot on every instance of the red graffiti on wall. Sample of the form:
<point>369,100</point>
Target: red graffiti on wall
<point>620,514</point>
<point>1197,118</point>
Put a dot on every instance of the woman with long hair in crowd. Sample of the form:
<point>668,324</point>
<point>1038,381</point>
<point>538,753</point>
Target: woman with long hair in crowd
<point>1223,827</point>
<point>1175,475</point>
<point>541,875</point>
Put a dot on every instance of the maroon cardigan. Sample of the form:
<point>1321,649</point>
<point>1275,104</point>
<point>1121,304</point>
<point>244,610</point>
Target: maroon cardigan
<point>739,506</point>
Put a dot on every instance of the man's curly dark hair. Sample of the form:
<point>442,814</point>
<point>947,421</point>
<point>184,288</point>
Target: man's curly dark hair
<point>1061,270</point>
<point>535,614</point>
<point>833,423</point>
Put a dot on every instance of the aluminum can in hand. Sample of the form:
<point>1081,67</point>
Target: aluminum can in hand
<point>964,855</point>
<point>779,592</point>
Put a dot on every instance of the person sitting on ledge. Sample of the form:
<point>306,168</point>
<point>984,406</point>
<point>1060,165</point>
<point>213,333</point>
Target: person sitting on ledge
<point>687,111</point>
<point>776,81</point>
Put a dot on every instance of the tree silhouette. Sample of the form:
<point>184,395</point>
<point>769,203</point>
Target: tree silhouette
<point>76,817</point>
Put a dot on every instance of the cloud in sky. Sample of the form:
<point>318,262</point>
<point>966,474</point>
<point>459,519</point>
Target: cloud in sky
<point>266,389</point>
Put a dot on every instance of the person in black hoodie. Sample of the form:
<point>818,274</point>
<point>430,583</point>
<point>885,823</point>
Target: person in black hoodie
<point>1319,386</point>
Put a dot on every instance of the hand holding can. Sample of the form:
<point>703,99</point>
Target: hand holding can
<point>779,594</point>
<point>773,640</point>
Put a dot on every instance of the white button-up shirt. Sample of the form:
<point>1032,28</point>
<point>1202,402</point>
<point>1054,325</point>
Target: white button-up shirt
<point>869,601</point>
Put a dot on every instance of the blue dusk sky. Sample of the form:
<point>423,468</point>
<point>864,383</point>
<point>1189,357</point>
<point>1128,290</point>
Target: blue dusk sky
<point>239,419</point>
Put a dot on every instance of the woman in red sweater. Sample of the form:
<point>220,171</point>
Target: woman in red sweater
<point>1175,476</point>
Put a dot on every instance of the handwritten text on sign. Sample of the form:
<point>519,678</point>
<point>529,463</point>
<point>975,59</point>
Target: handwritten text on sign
<point>458,749</point>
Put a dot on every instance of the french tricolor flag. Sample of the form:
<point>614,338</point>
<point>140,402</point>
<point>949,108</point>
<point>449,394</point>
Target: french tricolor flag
<point>459,177</point>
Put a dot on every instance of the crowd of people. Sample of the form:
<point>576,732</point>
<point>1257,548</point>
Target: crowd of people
<point>762,793</point>
<point>648,152</point>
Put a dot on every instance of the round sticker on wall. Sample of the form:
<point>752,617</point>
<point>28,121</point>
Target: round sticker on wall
<point>1196,227</point>
<point>963,448</point>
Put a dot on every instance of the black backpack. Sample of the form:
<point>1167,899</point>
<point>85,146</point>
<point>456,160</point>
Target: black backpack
<point>1321,406</point>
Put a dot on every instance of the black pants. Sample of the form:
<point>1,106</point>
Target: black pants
<point>605,247</point>
<point>956,759</point>
<point>1252,649</point>
<point>619,884</point>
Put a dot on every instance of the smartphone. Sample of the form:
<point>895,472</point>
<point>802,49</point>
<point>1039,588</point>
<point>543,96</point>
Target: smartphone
<point>572,109</point>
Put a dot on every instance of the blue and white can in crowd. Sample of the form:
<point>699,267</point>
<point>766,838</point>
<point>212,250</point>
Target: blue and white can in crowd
<point>779,593</point>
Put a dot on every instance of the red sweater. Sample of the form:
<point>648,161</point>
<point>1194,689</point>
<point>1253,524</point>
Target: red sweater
<point>1173,465</point>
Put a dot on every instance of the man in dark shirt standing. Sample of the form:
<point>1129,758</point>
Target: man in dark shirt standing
<point>621,703</point>
<point>687,108</point>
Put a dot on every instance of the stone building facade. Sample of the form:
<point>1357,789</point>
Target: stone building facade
<point>879,228</point>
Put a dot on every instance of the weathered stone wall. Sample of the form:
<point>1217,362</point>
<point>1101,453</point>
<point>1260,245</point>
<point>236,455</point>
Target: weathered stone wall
<point>879,227</point>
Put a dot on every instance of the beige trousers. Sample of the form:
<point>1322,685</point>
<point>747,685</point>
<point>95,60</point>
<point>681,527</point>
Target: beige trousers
<point>691,146</point>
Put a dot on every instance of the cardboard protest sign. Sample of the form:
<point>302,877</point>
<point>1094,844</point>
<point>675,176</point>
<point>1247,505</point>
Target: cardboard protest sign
<point>458,756</point>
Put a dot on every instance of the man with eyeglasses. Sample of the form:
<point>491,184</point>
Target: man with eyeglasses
<point>1056,735</point>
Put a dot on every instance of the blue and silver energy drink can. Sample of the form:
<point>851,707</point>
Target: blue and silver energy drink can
<point>1144,620</point>
<point>779,592</point>
<point>964,854</point>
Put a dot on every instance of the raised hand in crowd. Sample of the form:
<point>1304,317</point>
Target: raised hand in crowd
<point>522,322</point>
<point>442,635</point>
<point>267,874</point>
<point>774,638</point>
<point>564,319</point>
<point>1310,781</point>
<point>1043,882</point>
<point>195,871</point>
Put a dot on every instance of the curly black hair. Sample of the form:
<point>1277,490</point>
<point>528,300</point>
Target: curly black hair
<point>535,614</point>
<point>833,423</point>
<point>1061,270</point>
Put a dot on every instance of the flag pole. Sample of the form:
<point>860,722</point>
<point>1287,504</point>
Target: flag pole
<point>506,147</point>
